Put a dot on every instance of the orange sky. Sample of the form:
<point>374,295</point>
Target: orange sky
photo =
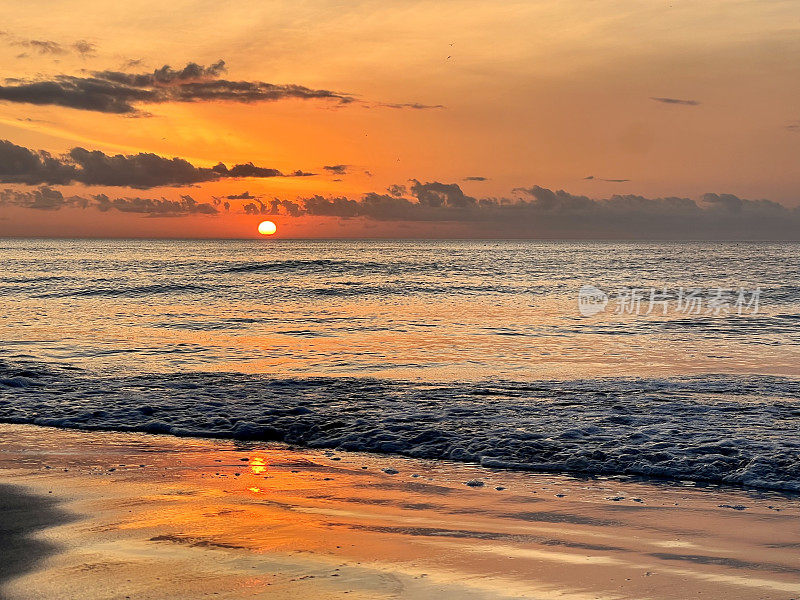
<point>534,93</point>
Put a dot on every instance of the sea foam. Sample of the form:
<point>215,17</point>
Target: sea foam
<point>742,430</point>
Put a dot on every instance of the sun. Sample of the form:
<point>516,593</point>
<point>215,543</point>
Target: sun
<point>267,228</point>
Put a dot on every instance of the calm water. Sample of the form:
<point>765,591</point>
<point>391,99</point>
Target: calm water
<point>414,310</point>
<point>472,351</point>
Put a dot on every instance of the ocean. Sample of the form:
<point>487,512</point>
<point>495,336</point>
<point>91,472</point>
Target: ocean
<point>667,360</point>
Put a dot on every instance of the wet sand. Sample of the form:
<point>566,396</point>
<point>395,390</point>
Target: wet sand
<point>116,515</point>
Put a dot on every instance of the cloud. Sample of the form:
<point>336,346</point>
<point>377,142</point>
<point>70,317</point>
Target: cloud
<point>593,178</point>
<point>242,196</point>
<point>44,198</point>
<point>43,46</point>
<point>273,207</point>
<point>84,48</point>
<point>160,207</point>
<point>246,170</point>
<point>119,92</point>
<point>412,105</point>
<point>530,212</point>
<point>675,101</point>
<point>541,212</point>
<point>476,178</point>
<point>47,199</point>
<point>336,169</point>
<point>93,167</point>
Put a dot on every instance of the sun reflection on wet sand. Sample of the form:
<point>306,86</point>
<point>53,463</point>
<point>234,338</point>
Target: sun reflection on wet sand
<point>248,520</point>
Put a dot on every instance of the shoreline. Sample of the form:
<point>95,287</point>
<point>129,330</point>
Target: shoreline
<point>621,478</point>
<point>169,517</point>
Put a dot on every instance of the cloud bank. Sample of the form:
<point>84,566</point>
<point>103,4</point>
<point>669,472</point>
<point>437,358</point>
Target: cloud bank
<point>532,212</point>
<point>543,213</point>
<point>93,167</point>
<point>48,199</point>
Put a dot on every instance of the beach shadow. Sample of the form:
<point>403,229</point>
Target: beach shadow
<point>22,515</point>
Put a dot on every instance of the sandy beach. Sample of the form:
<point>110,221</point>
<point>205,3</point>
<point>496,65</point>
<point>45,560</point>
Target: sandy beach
<point>116,515</point>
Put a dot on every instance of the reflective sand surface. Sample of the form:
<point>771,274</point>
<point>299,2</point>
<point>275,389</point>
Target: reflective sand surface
<point>163,517</point>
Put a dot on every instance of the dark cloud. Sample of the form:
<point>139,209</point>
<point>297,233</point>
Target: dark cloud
<point>397,191</point>
<point>242,196</point>
<point>675,101</point>
<point>299,173</point>
<point>592,177</point>
<point>413,105</point>
<point>441,194</point>
<point>273,207</point>
<point>476,178</point>
<point>144,170</point>
<point>246,170</point>
<point>81,93</point>
<point>46,198</point>
<point>121,93</point>
<point>336,169</point>
<point>160,207</point>
<point>166,75</point>
<point>545,213</point>
<point>21,165</point>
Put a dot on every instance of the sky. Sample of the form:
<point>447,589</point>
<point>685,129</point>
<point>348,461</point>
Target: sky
<point>454,118</point>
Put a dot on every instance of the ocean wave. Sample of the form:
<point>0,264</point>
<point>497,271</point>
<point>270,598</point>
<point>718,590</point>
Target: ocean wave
<point>741,430</point>
<point>313,265</point>
<point>123,291</point>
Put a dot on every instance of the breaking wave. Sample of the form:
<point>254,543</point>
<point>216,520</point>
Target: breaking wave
<point>742,430</point>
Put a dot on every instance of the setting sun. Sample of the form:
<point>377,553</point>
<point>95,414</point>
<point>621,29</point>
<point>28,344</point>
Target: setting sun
<point>267,228</point>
